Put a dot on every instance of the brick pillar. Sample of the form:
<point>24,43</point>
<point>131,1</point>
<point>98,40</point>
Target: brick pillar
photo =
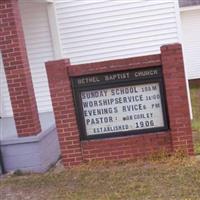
<point>64,111</point>
<point>177,101</point>
<point>12,46</point>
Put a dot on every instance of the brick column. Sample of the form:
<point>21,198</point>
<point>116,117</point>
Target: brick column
<point>177,101</point>
<point>64,111</point>
<point>12,46</point>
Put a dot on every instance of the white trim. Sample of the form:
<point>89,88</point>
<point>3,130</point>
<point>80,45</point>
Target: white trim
<point>2,88</point>
<point>53,25</point>
<point>180,35</point>
<point>189,8</point>
<point>178,20</point>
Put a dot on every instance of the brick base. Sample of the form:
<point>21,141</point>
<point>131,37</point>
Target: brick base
<point>75,151</point>
<point>123,148</point>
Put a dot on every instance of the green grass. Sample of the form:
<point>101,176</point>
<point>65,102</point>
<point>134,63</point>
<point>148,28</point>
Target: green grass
<point>195,97</point>
<point>167,180</point>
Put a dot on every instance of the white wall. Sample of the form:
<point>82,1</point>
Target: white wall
<point>5,104</point>
<point>108,29</point>
<point>39,47</point>
<point>191,41</point>
<point>94,30</point>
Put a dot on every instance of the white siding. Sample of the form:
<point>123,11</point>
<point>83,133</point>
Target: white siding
<point>94,30</point>
<point>5,105</point>
<point>191,41</point>
<point>107,29</point>
<point>39,47</point>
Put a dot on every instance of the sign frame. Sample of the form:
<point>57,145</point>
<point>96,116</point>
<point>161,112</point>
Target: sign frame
<point>77,89</point>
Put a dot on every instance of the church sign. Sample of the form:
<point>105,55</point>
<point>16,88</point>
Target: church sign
<point>121,109</point>
<point>120,103</point>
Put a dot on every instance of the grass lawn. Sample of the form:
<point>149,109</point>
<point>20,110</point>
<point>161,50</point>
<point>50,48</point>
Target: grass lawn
<point>169,179</point>
<point>195,96</point>
<point>159,178</point>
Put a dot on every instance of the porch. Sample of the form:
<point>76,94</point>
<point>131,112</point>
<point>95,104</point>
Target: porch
<point>33,153</point>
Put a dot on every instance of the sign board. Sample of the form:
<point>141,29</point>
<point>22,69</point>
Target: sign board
<point>122,103</point>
